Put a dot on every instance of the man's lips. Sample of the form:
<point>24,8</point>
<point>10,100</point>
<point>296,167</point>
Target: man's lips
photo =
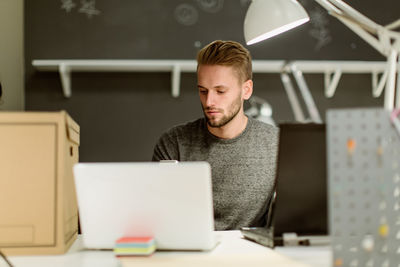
<point>212,112</point>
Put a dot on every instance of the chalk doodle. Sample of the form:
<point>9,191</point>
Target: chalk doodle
<point>211,6</point>
<point>197,44</point>
<point>186,14</point>
<point>88,8</point>
<point>68,5</point>
<point>320,30</point>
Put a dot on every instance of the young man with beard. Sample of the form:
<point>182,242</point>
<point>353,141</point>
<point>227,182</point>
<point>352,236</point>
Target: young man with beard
<point>241,151</point>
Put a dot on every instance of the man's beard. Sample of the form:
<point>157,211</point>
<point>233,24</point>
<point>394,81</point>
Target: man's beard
<point>235,108</point>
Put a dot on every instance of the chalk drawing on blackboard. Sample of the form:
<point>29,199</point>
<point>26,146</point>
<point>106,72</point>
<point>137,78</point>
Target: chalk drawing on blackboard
<point>211,6</point>
<point>197,44</point>
<point>186,14</point>
<point>320,30</point>
<point>89,8</point>
<point>68,5</point>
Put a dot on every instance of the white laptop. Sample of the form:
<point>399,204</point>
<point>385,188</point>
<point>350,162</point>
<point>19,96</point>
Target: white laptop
<point>170,201</point>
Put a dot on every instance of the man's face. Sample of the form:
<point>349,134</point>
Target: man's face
<point>221,93</point>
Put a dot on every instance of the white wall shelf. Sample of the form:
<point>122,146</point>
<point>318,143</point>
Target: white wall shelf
<point>331,69</point>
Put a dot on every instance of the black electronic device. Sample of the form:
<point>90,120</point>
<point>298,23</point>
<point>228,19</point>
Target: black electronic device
<point>298,208</point>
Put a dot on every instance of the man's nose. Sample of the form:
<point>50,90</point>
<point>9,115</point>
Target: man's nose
<point>210,100</point>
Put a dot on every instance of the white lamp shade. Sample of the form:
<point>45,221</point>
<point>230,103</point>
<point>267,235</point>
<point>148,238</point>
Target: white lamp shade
<point>267,18</point>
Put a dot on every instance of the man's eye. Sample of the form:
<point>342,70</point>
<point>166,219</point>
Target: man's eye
<point>203,92</point>
<point>220,92</point>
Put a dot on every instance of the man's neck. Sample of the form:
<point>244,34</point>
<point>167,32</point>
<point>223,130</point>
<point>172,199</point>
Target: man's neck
<point>232,129</point>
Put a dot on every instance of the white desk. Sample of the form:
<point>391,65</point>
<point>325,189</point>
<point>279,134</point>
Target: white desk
<point>232,250</point>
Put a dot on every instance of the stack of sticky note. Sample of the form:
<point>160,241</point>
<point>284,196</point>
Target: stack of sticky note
<point>135,246</point>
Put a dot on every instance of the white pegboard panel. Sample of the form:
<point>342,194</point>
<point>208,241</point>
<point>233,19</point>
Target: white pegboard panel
<point>363,187</point>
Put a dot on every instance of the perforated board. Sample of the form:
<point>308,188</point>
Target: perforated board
<point>363,187</point>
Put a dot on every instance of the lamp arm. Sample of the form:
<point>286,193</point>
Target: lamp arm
<point>393,25</point>
<point>393,35</point>
<point>391,68</point>
<point>305,92</point>
<point>397,101</point>
<point>365,35</point>
<point>257,99</point>
<point>374,34</point>
<point>293,100</point>
<point>341,8</point>
<point>329,6</point>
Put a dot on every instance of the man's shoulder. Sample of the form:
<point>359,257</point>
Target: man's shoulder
<point>176,138</point>
<point>265,127</point>
<point>189,127</point>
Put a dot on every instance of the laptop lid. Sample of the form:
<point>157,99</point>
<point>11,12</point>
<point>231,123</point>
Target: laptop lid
<point>170,201</point>
<point>301,190</point>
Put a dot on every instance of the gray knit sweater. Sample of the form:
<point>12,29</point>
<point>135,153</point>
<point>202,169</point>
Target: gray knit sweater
<point>243,168</point>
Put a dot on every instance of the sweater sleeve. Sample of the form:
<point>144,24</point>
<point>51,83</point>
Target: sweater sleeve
<point>166,147</point>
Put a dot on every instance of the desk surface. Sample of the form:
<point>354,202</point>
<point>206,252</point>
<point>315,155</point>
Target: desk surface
<point>232,250</point>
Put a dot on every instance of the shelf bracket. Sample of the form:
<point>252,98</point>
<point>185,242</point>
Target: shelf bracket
<point>331,82</point>
<point>65,76</point>
<point>175,82</point>
<point>377,87</point>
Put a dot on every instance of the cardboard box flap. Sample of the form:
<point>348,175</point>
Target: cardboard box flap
<point>73,129</point>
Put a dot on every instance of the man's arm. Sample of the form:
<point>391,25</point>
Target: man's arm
<point>166,148</point>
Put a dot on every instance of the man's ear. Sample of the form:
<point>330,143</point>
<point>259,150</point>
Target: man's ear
<point>247,89</point>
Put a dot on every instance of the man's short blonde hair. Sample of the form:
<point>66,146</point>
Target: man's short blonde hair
<point>227,53</point>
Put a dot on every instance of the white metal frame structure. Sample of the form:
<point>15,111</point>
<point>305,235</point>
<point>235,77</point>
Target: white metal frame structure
<point>383,38</point>
<point>176,67</point>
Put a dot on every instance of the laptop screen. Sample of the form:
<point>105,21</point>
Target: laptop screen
<point>301,190</point>
<point>171,202</point>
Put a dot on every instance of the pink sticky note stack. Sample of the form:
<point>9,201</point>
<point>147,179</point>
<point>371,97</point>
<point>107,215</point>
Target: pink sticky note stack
<point>135,246</point>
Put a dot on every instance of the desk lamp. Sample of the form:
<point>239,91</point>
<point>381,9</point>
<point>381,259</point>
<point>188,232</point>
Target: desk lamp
<point>372,209</point>
<point>260,109</point>
<point>267,18</point>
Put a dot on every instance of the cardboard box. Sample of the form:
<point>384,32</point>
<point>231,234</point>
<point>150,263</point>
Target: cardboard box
<point>38,207</point>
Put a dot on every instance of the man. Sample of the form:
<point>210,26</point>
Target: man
<point>240,150</point>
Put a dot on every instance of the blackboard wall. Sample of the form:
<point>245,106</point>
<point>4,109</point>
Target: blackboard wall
<point>122,114</point>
